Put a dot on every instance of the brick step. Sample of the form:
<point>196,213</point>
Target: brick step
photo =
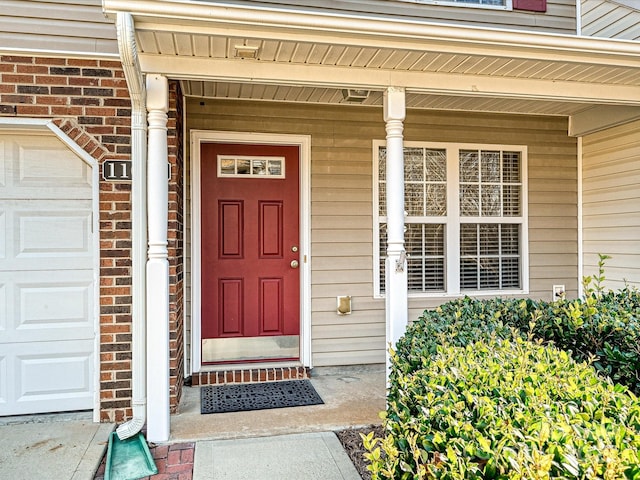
<point>249,375</point>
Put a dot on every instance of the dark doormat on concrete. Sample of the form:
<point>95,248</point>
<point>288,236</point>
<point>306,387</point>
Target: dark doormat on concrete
<point>257,396</point>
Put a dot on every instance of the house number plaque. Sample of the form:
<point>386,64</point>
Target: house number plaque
<point>116,170</point>
<point>120,170</point>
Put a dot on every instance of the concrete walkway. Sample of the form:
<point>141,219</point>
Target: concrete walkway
<point>61,447</point>
<point>283,444</point>
<point>306,456</point>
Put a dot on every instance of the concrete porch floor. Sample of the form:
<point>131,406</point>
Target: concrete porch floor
<point>353,397</point>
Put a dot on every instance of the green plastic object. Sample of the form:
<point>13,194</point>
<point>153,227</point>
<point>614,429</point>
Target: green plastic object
<point>128,459</point>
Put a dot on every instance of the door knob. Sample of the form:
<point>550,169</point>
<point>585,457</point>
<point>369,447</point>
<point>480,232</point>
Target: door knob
<point>294,263</point>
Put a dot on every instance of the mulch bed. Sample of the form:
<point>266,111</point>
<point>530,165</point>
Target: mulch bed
<point>352,444</point>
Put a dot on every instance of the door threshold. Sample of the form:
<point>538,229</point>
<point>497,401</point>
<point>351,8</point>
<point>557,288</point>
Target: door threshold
<point>239,350</point>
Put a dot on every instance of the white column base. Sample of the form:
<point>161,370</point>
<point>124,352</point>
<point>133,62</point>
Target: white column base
<point>158,425</point>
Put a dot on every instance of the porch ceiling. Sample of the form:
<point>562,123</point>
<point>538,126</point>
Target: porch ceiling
<point>311,56</point>
<point>334,96</point>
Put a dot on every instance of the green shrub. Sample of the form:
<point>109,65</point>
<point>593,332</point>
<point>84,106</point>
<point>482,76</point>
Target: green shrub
<point>603,328</point>
<point>459,323</point>
<point>506,408</point>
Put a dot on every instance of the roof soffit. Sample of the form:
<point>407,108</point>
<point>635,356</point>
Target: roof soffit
<point>184,16</point>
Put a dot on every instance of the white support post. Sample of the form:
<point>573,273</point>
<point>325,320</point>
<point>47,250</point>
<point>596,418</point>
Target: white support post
<point>157,262</point>
<point>396,264</point>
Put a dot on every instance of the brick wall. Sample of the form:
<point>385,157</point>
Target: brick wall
<point>175,236</point>
<point>89,101</point>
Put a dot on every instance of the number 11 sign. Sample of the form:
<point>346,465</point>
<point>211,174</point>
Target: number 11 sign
<point>116,170</point>
<point>120,170</point>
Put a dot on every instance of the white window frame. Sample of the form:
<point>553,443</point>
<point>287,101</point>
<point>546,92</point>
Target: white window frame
<point>450,3</point>
<point>453,220</point>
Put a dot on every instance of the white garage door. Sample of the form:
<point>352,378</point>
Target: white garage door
<point>47,297</point>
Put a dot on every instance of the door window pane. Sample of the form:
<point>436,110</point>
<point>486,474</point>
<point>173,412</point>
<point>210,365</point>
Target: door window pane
<point>251,167</point>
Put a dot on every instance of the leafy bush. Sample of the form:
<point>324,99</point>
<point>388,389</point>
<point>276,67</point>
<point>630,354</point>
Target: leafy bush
<point>603,328</point>
<point>453,425</point>
<point>459,323</point>
<point>504,407</point>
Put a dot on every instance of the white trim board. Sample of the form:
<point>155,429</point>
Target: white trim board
<point>304,143</point>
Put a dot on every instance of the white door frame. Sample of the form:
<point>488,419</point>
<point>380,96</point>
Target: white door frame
<point>25,125</point>
<point>304,143</point>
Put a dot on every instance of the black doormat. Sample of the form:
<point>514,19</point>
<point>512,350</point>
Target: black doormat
<point>257,396</point>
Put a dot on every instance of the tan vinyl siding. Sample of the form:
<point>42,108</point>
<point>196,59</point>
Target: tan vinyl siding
<point>341,204</point>
<point>610,19</point>
<point>560,16</point>
<point>69,26</point>
<point>611,203</point>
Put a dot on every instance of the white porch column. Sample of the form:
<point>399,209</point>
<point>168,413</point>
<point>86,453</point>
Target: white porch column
<point>157,262</point>
<point>396,272</point>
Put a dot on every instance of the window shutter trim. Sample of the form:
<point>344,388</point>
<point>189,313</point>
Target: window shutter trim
<point>530,5</point>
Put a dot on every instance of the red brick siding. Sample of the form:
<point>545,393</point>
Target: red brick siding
<point>250,375</point>
<point>89,101</point>
<point>175,237</point>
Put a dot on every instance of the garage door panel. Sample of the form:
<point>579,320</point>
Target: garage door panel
<point>54,307</point>
<point>60,167</point>
<point>56,232</point>
<point>41,161</point>
<point>48,305</point>
<point>52,233</point>
<point>37,383</point>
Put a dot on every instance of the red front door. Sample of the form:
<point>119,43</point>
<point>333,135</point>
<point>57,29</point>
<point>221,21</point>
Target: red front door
<point>250,252</point>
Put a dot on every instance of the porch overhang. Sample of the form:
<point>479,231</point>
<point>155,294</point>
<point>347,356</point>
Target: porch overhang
<point>440,66</point>
<point>312,55</point>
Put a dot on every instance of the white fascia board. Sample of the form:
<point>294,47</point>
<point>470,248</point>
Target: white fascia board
<point>600,118</point>
<point>418,82</point>
<point>174,15</point>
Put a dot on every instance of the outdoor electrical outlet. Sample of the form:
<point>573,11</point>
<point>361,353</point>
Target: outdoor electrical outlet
<point>558,292</point>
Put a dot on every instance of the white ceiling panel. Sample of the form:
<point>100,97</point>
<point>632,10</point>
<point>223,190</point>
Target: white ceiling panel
<point>201,46</point>
<point>283,93</point>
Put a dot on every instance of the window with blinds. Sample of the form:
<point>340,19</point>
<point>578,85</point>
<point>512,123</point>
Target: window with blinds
<point>464,208</point>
